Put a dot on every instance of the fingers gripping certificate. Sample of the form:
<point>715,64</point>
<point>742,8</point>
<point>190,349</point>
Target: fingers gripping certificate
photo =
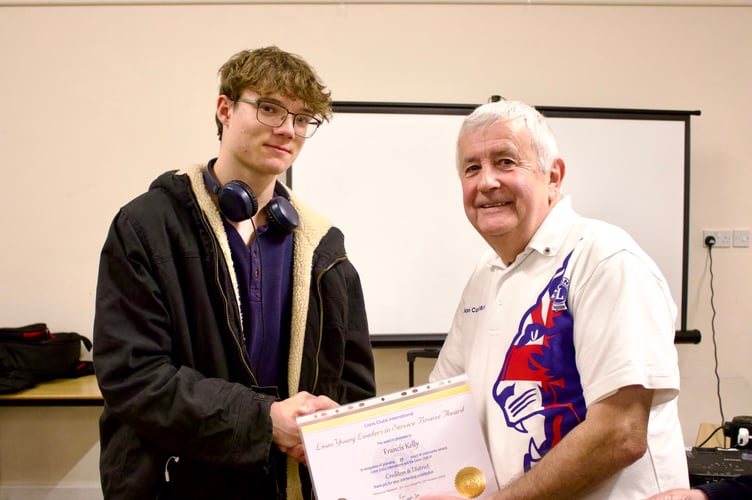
<point>421,441</point>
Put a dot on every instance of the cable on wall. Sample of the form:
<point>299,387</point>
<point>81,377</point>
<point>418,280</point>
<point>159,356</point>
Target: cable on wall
<point>710,242</point>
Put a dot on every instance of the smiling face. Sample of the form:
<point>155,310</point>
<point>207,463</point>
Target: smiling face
<point>249,149</point>
<point>505,194</point>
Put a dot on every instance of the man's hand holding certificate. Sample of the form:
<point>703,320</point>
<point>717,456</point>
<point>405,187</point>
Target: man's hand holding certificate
<point>422,441</point>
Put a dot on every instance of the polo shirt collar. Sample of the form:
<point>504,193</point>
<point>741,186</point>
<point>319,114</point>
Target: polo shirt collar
<point>550,236</point>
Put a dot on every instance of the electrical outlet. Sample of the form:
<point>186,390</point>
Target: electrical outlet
<point>723,238</point>
<point>741,237</point>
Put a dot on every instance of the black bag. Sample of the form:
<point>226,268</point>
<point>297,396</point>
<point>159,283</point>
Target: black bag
<point>31,354</point>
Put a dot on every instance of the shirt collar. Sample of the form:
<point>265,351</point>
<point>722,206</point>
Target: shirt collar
<point>549,237</point>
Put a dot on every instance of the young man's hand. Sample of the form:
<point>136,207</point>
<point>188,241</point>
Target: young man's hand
<point>285,432</point>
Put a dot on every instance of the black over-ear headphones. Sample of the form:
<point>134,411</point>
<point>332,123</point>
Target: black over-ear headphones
<point>238,203</point>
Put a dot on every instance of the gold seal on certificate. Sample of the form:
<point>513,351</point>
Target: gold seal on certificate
<point>470,482</point>
<point>400,446</point>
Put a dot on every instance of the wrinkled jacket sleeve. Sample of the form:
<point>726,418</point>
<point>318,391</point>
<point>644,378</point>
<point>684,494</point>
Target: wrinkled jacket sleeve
<point>144,347</point>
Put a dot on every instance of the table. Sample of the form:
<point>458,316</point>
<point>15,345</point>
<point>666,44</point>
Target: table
<point>81,391</point>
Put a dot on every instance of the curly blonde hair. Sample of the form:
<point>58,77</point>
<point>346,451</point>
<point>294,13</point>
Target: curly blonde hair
<point>270,70</point>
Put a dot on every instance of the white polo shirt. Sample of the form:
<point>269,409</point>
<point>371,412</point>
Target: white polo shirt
<point>580,313</point>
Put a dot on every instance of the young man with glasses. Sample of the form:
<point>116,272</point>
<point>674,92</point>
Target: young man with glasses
<point>225,308</point>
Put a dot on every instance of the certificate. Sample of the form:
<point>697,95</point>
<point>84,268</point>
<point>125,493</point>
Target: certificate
<point>424,440</point>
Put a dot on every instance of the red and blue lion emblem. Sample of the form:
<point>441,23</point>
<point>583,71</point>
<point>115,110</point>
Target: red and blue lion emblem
<point>539,378</point>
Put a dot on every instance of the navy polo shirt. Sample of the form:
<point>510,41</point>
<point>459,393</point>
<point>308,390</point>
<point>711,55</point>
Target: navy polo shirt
<point>264,273</point>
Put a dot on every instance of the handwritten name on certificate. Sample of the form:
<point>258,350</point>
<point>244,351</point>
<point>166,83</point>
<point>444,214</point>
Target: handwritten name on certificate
<point>425,440</point>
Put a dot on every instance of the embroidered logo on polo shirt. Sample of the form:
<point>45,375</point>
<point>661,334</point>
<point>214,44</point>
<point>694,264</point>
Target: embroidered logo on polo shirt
<point>559,295</point>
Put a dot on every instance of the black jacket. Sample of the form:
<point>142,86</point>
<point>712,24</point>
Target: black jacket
<point>738,488</point>
<point>182,418</point>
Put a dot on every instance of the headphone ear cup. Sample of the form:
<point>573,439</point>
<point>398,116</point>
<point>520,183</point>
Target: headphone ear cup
<point>237,201</point>
<point>281,212</point>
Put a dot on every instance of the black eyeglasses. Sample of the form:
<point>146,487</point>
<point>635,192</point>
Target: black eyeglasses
<point>274,115</point>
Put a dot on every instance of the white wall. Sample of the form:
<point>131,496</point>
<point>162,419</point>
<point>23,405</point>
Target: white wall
<point>97,100</point>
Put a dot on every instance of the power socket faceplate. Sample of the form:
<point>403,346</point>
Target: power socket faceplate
<point>741,237</point>
<point>723,238</point>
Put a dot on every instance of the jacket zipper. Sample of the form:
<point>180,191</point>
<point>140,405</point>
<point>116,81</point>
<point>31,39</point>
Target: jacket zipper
<point>173,458</point>
<point>238,343</point>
